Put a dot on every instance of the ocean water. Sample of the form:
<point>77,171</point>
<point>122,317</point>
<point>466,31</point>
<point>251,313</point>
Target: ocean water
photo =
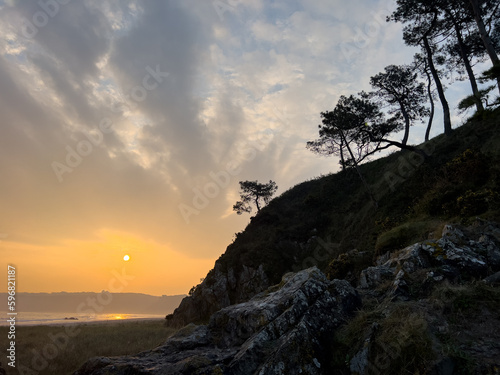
<point>35,318</point>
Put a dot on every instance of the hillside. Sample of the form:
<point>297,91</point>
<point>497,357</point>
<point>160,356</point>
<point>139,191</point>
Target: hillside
<point>315,221</point>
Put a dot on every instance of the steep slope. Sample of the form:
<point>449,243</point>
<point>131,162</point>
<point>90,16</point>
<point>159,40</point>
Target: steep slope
<point>316,221</point>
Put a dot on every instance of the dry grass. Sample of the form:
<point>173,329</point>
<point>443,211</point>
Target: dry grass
<point>396,334</point>
<point>61,350</point>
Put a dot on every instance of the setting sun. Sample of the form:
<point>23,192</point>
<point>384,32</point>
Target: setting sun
<point>126,258</point>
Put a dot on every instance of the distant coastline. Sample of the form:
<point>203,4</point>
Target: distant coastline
<point>89,303</point>
<point>60,318</point>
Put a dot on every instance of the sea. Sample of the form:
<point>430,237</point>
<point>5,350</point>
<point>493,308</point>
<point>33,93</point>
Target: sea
<point>51,318</point>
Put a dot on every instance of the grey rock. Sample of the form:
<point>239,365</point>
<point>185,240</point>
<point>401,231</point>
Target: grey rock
<point>218,290</point>
<point>374,276</point>
<point>360,363</point>
<point>493,279</point>
<point>285,331</point>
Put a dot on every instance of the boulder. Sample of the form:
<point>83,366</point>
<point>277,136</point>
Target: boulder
<point>287,329</point>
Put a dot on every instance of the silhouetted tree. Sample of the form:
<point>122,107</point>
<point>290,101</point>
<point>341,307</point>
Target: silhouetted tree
<point>421,20</point>
<point>421,64</point>
<point>342,132</point>
<point>398,86</point>
<point>478,12</point>
<point>354,130</point>
<point>256,193</point>
<point>462,44</point>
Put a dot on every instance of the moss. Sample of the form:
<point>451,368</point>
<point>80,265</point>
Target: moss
<point>217,371</point>
<point>438,250</point>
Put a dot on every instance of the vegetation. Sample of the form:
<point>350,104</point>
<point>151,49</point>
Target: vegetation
<point>35,344</point>
<point>317,220</point>
<point>256,193</point>
<point>395,336</point>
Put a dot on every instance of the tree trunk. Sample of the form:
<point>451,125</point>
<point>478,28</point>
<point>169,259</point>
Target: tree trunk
<point>359,171</point>
<point>446,108</point>
<point>468,68</point>
<point>407,123</point>
<point>484,36</point>
<point>431,99</point>
<point>342,160</point>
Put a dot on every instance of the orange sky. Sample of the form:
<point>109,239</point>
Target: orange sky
<point>92,265</point>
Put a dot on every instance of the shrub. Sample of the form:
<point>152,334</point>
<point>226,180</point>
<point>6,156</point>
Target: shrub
<point>475,203</point>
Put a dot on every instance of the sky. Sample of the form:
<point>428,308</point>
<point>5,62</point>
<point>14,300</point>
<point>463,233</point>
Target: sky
<point>126,126</point>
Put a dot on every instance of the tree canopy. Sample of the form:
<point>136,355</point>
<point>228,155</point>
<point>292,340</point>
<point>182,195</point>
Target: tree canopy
<point>256,193</point>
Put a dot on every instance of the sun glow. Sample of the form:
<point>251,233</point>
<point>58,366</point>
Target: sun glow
<point>126,258</point>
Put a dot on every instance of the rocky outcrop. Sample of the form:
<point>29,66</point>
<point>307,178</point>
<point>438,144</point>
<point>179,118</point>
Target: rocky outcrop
<point>462,253</point>
<point>218,290</point>
<point>436,283</point>
<point>287,329</point>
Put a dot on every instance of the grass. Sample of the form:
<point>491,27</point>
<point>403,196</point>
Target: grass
<point>468,299</point>
<point>396,335</point>
<point>49,350</point>
<point>404,235</point>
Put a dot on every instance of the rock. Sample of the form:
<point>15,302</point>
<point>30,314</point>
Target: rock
<point>287,330</point>
<point>467,253</point>
<point>400,287</point>
<point>445,367</point>
<point>360,363</point>
<point>467,258</point>
<point>374,276</point>
<point>218,290</point>
<point>453,233</point>
<point>493,279</point>
<point>492,251</point>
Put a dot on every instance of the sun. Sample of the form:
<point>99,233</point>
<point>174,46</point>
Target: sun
<point>126,258</point>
